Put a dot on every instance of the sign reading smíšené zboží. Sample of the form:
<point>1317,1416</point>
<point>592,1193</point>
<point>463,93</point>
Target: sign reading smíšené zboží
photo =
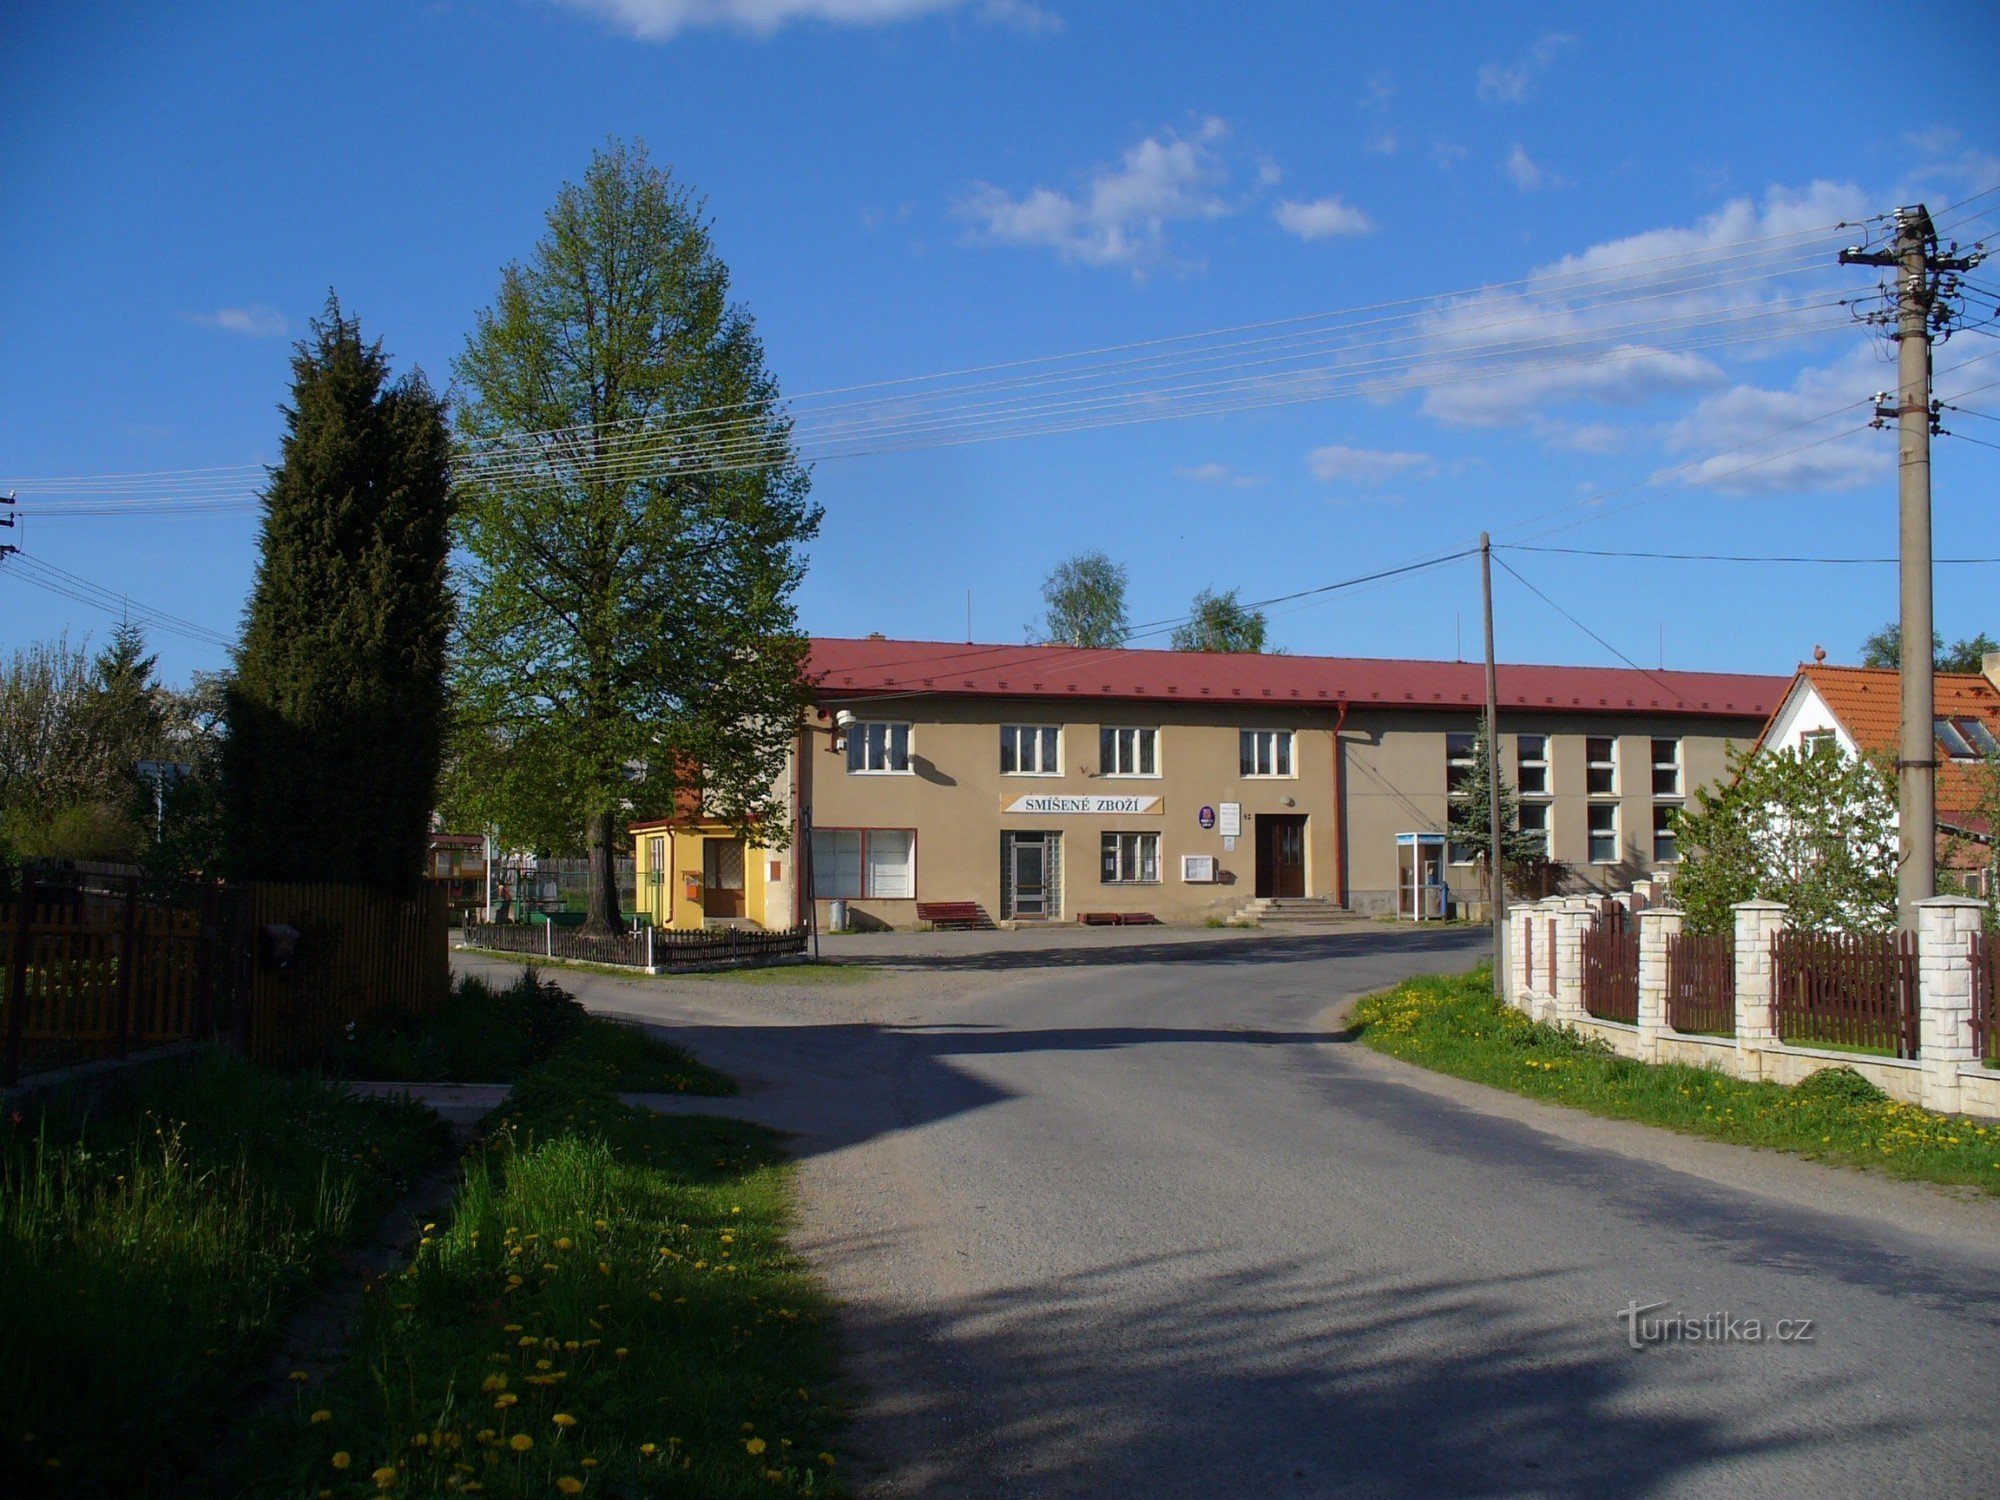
<point>1085,806</point>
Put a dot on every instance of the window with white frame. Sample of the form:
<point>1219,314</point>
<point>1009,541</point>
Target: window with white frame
<point>1459,750</point>
<point>1601,770</point>
<point>1131,858</point>
<point>864,862</point>
<point>878,748</point>
<point>1128,752</point>
<point>1666,843</point>
<point>1532,765</point>
<point>1604,833</point>
<point>1534,820</point>
<point>1266,752</point>
<point>1030,750</point>
<point>1666,768</point>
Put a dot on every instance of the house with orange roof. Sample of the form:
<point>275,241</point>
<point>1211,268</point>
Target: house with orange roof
<point>1859,709</point>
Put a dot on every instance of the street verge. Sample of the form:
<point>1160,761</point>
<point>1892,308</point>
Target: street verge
<point>1454,1025</point>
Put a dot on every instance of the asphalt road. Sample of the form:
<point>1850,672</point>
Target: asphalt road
<point>1132,1219</point>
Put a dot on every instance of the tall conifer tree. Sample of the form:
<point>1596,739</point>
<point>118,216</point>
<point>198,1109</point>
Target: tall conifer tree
<point>336,711</point>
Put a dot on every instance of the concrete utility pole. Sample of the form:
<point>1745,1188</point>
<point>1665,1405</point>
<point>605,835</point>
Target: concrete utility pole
<point>1917,264</point>
<point>1497,900</point>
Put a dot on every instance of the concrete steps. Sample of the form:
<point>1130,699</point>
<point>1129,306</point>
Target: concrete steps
<point>1274,911</point>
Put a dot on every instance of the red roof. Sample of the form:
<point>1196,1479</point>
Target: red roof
<point>1868,702</point>
<point>865,668</point>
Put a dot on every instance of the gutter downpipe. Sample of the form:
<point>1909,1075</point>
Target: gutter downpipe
<point>1339,811</point>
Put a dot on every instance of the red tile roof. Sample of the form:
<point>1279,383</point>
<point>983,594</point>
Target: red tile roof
<point>846,668</point>
<point>1868,703</point>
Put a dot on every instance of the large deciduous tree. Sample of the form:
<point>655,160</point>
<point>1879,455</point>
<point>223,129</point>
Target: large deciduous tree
<point>633,518</point>
<point>1084,601</point>
<point>336,709</point>
<point>1220,622</point>
<point>1885,649</point>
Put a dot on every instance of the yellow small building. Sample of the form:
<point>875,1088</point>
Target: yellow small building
<point>693,875</point>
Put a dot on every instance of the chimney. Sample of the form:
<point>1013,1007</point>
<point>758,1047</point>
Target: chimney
<point>1989,664</point>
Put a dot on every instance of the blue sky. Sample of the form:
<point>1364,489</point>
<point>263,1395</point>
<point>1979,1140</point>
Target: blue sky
<point>912,186</point>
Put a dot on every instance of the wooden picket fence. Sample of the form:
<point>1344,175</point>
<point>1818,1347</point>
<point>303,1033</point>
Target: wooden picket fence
<point>359,953</point>
<point>1846,990</point>
<point>93,968</point>
<point>647,948</point>
<point>1611,969</point>
<point>1986,997</point>
<point>1701,983</point>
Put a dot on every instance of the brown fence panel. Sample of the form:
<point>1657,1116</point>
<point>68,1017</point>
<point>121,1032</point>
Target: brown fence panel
<point>1701,982</point>
<point>1611,969</point>
<point>1846,990</point>
<point>359,952</point>
<point>1986,996</point>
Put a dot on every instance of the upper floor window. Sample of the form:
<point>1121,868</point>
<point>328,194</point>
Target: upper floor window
<point>1534,765</point>
<point>1458,754</point>
<point>878,747</point>
<point>1266,752</point>
<point>1601,773</point>
<point>1812,739</point>
<point>1966,739</point>
<point>1128,752</point>
<point>1030,750</point>
<point>1666,768</point>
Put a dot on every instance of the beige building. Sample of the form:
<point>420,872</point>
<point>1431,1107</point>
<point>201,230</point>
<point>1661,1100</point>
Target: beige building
<point>1049,783</point>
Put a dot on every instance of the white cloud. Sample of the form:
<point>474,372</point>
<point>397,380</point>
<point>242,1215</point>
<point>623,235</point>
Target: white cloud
<point>1578,437</point>
<point>1368,468</point>
<point>1218,474</point>
<point>1119,217</point>
<point>1564,346</point>
<point>1760,446</point>
<point>1513,83</point>
<point>253,320</point>
<point>1321,218</point>
<point>1528,174</point>
<point>1023,16</point>
<point>662,20</point>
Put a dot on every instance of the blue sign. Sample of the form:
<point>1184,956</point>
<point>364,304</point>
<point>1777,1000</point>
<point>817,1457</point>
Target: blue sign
<point>1206,817</point>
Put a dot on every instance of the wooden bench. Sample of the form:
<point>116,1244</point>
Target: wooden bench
<point>957,914</point>
<point>1117,919</point>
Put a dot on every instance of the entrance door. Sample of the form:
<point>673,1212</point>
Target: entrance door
<point>722,877</point>
<point>1281,854</point>
<point>1030,881</point>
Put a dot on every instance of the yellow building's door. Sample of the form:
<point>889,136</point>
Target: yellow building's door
<point>722,877</point>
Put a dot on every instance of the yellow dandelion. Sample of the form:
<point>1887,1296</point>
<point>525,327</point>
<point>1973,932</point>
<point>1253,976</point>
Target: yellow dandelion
<point>563,1419</point>
<point>342,1459</point>
<point>384,1476</point>
<point>563,1243</point>
<point>322,1416</point>
<point>520,1442</point>
<point>569,1484</point>
<point>754,1446</point>
<point>298,1375</point>
<point>649,1449</point>
<point>494,1382</point>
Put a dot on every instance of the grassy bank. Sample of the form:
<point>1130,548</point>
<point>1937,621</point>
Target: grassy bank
<point>1455,1026</point>
<point>494,1034</point>
<point>609,1309</point>
<point>149,1252</point>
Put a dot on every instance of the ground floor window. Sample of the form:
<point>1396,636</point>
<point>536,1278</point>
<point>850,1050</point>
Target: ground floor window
<point>864,862</point>
<point>1131,858</point>
<point>1535,820</point>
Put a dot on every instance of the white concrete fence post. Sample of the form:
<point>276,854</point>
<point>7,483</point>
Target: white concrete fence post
<point>1518,955</point>
<point>1657,924</point>
<point>1757,922</point>
<point>1945,926</point>
<point>1572,919</point>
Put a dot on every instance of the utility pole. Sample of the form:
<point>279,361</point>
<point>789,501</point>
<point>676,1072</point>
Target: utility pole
<point>7,521</point>
<point>1918,264</point>
<point>1497,898</point>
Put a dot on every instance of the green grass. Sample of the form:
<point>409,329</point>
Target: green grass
<point>1454,1025</point>
<point>486,1034</point>
<point>150,1252</point>
<point>623,1270</point>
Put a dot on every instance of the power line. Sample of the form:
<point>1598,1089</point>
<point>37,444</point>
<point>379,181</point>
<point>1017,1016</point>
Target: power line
<point>1726,557</point>
<point>1644,672</point>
